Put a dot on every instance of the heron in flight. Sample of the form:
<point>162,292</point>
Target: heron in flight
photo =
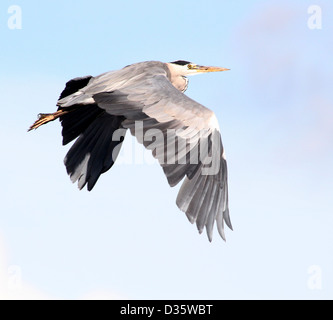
<point>183,135</point>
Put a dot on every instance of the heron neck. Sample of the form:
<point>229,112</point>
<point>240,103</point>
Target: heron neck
<point>180,83</point>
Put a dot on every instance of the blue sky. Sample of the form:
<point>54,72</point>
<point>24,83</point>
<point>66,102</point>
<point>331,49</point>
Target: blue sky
<point>127,238</point>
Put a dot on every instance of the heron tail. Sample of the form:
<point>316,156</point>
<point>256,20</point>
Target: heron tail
<point>72,86</point>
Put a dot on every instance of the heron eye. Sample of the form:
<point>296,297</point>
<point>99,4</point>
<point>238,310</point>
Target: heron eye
<point>190,66</point>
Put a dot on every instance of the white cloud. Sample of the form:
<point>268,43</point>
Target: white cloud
<point>13,285</point>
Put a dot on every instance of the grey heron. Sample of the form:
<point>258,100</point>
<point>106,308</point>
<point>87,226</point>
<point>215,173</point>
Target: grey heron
<point>93,110</point>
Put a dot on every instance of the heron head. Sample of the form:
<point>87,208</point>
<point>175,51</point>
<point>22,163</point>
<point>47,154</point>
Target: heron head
<point>186,68</point>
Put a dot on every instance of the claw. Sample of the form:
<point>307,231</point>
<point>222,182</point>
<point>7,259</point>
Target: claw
<point>44,118</point>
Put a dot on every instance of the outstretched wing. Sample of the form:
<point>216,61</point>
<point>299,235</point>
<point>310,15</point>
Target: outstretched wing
<point>183,135</point>
<point>185,138</point>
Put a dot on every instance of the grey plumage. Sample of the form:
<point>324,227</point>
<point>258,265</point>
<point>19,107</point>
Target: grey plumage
<point>93,109</point>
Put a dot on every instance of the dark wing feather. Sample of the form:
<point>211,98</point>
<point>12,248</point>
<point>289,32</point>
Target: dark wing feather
<point>74,85</point>
<point>95,150</point>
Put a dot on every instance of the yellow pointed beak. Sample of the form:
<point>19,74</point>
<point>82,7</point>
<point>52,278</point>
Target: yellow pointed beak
<point>210,69</point>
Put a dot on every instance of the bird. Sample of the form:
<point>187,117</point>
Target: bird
<point>148,99</point>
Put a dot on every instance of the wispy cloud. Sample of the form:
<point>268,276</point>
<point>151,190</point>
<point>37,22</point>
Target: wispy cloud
<point>14,286</point>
